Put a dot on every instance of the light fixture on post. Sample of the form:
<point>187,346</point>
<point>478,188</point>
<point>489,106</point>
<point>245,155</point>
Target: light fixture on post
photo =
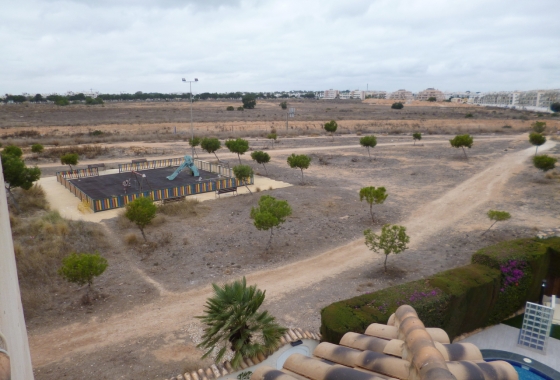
<point>192,130</point>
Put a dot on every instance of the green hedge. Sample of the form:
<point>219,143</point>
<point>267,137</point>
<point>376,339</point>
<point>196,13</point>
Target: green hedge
<point>499,281</point>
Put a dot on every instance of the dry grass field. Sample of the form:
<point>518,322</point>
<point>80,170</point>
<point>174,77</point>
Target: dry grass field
<point>139,326</point>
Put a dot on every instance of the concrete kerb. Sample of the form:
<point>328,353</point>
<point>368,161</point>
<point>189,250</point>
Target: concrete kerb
<point>63,201</point>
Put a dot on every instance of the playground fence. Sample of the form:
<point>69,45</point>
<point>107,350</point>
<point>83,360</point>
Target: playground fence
<point>168,162</point>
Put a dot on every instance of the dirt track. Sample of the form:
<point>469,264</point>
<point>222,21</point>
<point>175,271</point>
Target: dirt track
<point>173,310</point>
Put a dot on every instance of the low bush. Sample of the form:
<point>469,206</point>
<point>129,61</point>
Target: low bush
<point>499,281</point>
<point>184,208</point>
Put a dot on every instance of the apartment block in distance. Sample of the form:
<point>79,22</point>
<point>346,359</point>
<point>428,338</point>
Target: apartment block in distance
<point>331,94</point>
<point>430,93</point>
<point>535,100</point>
<point>401,95</point>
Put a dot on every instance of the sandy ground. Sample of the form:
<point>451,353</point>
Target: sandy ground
<point>150,339</point>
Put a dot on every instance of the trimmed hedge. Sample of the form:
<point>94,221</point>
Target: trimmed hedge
<point>499,281</point>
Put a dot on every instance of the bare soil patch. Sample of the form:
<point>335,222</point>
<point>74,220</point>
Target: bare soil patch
<point>317,256</point>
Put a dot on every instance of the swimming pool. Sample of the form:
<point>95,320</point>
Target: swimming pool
<point>528,369</point>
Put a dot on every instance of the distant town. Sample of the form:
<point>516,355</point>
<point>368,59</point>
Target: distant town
<point>533,100</point>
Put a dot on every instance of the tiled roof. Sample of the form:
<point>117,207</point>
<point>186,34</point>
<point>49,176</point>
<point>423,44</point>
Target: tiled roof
<point>403,349</point>
<point>218,370</point>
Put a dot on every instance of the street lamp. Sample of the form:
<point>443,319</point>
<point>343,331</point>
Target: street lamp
<point>192,130</point>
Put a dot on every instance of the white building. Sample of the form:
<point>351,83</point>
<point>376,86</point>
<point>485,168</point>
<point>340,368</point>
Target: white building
<point>331,94</point>
<point>533,100</point>
<point>376,94</point>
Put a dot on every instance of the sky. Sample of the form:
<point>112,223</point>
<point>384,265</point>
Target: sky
<point>114,46</point>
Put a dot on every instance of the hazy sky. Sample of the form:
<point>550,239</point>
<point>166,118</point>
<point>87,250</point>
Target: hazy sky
<point>235,45</point>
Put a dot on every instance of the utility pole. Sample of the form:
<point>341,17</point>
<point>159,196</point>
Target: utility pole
<point>192,129</point>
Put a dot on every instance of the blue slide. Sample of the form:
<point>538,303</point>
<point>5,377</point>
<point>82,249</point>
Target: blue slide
<point>188,163</point>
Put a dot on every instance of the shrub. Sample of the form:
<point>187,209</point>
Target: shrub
<point>416,136</point>
<point>368,142</point>
<point>507,127</point>
<point>284,105</point>
<point>397,106</point>
<point>97,132</point>
<point>462,141</point>
<point>499,281</point>
<point>37,148</point>
<point>555,107</point>
<point>538,126</point>
<point>141,212</point>
<point>240,108</point>
<point>131,239</point>
<point>82,268</point>
<point>331,127</point>
<point>544,162</point>
<point>469,115</point>
<point>432,99</point>
<point>69,159</point>
<point>12,150</point>
<point>230,108</point>
<point>537,140</point>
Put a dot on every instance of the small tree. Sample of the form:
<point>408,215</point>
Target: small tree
<point>261,158</point>
<point>69,159</point>
<point>141,212</point>
<point>37,148</point>
<point>331,127</point>
<point>239,146</point>
<point>368,142</point>
<point>544,162</point>
<point>555,107</point>
<point>211,145</point>
<point>230,108</point>
<point>497,216</point>
<point>240,108</point>
<point>243,173</point>
<point>284,105</point>
<point>416,136</point>
<point>300,161</point>
<point>249,101</point>
<point>432,99</point>
<point>232,321</point>
<point>194,142</point>
<point>81,268</point>
<point>373,196</point>
<point>12,150</point>
<point>273,137</point>
<point>397,106</point>
<point>17,174</point>
<point>462,141</point>
<point>393,239</point>
<point>537,140</point>
<point>538,126</point>
<point>269,214</point>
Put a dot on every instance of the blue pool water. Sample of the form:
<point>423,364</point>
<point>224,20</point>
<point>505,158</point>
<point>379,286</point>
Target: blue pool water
<point>526,374</point>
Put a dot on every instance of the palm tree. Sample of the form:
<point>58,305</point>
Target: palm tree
<point>233,321</point>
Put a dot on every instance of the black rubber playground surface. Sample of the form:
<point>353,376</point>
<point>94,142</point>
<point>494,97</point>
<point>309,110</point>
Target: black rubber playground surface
<point>111,185</point>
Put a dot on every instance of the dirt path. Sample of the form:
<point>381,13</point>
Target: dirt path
<point>225,153</point>
<point>175,310</point>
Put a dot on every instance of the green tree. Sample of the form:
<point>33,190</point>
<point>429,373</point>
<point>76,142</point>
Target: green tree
<point>69,159</point>
<point>269,214</point>
<point>211,145</point>
<point>299,161</point>
<point>194,142</point>
<point>272,136</point>
<point>537,140</point>
<point>432,99</point>
<point>368,142</point>
<point>393,239</point>
<point>249,101</point>
<point>81,268</point>
<point>37,148</point>
<point>496,216</point>
<point>284,105</point>
<point>240,108</point>
<point>38,98</point>
<point>141,212</point>
<point>261,157</point>
<point>239,146</point>
<point>397,106</point>
<point>230,108</point>
<point>538,126</point>
<point>17,174</point>
<point>373,196</point>
<point>416,136</point>
<point>331,127</point>
<point>12,150</point>
<point>462,141</point>
<point>555,107</point>
<point>544,162</point>
<point>232,320</point>
<point>61,101</point>
<point>243,173</point>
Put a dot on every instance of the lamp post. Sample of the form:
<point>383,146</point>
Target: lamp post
<point>192,130</point>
